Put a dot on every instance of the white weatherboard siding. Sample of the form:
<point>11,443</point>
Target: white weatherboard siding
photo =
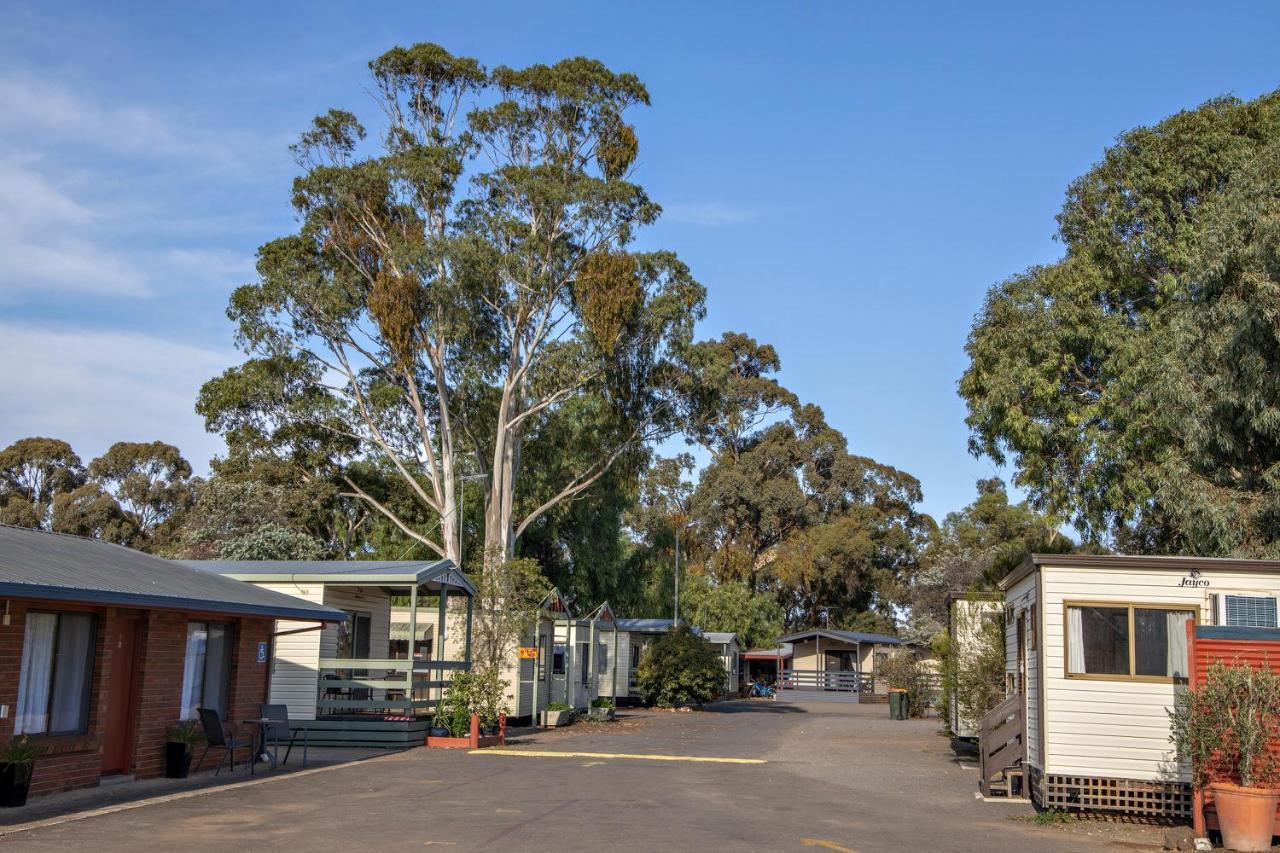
<point>1022,596</point>
<point>297,656</point>
<point>1120,728</point>
<point>623,674</point>
<point>361,599</point>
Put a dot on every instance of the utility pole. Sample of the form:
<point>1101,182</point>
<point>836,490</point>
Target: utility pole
<point>676,619</point>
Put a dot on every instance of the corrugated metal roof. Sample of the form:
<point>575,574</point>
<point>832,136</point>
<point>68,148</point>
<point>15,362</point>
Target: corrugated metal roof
<point>782,651</point>
<point>371,572</point>
<point>720,636</point>
<point>845,636</point>
<point>653,626</point>
<point>55,566</point>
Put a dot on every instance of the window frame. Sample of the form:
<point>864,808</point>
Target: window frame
<point>1189,607</point>
<point>86,690</point>
<point>232,634</point>
<point>1224,596</point>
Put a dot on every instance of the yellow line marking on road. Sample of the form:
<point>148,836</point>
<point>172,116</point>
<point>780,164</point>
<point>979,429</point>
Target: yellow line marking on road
<point>541,753</point>
<point>829,845</point>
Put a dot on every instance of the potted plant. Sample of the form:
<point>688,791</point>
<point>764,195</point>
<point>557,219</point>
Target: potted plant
<point>1224,728</point>
<point>178,749</point>
<point>557,714</point>
<point>601,709</point>
<point>16,763</point>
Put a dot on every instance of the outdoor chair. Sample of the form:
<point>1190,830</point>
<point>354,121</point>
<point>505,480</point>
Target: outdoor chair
<point>278,732</point>
<point>217,737</point>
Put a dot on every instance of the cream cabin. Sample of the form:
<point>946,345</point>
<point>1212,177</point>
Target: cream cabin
<point>1096,649</point>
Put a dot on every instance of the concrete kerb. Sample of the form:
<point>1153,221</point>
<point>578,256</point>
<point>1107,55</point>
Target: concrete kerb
<point>72,817</point>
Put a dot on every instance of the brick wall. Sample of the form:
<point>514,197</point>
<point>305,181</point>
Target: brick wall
<point>75,761</point>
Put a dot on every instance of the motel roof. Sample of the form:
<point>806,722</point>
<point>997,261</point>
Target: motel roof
<point>60,567</point>
<point>431,574</point>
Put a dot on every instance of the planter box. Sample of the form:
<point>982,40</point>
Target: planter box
<point>465,742</point>
<point>600,715</point>
<point>555,719</point>
<point>475,740</point>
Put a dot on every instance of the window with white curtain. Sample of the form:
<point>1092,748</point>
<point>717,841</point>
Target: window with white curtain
<point>56,674</point>
<point>1126,641</point>
<point>206,671</point>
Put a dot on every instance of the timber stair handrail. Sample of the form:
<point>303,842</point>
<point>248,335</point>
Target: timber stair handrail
<point>1002,749</point>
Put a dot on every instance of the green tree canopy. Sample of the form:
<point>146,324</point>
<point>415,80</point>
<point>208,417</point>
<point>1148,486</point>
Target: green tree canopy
<point>457,279</point>
<point>756,617</point>
<point>1133,383</point>
<point>32,471</point>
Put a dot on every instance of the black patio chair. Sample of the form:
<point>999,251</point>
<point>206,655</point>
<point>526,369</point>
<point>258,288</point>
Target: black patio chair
<point>217,737</point>
<point>279,731</point>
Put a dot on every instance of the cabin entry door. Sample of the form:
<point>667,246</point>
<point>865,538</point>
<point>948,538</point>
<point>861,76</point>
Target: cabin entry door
<point>125,640</point>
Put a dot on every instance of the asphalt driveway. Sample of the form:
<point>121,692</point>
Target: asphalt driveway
<point>825,776</point>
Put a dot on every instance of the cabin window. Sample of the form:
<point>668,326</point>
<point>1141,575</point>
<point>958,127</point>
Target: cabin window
<point>1127,641</point>
<point>585,667</point>
<point>543,643</point>
<point>557,660</point>
<point>206,672</point>
<point>602,655</point>
<point>1249,611</point>
<point>57,670</point>
<point>353,636</point>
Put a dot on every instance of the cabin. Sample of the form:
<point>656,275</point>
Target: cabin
<point>726,646</point>
<point>970,616</point>
<point>1096,649</point>
<point>563,659</point>
<point>103,649</point>
<point>634,636</point>
<point>347,681</point>
<point>828,660</point>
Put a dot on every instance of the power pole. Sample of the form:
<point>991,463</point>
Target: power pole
<point>676,619</point>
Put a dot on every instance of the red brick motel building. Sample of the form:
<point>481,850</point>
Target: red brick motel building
<point>103,649</point>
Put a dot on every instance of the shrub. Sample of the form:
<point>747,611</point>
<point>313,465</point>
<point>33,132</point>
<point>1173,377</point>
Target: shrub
<point>559,706</point>
<point>480,692</point>
<point>187,732</point>
<point>1223,727</point>
<point>972,664</point>
<point>904,672</point>
<point>680,669</point>
<point>19,751</point>
<point>602,702</point>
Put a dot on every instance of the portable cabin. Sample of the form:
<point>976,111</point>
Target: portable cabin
<point>634,636</point>
<point>105,648</point>
<point>726,646</point>
<point>562,658</point>
<point>970,616</point>
<point>828,660</point>
<point>1096,649</point>
<point>344,680</point>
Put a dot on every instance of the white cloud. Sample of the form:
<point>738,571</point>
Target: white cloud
<point>46,243</point>
<point>708,213</point>
<point>32,107</point>
<point>93,388</point>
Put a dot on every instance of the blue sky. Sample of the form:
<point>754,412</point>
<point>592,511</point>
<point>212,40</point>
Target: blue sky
<point>847,179</point>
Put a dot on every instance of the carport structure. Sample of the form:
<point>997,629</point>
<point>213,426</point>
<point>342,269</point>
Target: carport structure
<point>828,660</point>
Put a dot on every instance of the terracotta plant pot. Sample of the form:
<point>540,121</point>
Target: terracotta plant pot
<point>1246,816</point>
